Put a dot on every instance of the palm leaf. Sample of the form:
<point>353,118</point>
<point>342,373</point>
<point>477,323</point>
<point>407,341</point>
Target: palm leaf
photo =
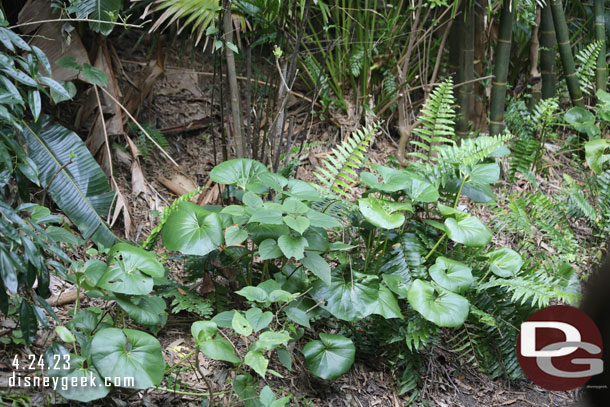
<point>79,189</point>
<point>104,10</point>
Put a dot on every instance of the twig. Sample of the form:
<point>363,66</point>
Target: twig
<point>140,127</point>
<point>76,19</point>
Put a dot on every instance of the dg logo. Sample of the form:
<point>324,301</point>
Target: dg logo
<point>560,348</point>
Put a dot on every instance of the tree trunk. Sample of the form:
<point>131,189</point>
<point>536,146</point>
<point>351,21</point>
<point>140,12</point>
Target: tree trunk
<point>600,35</point>
<point>240,147</point>
<point>534,78</point>
<point>547,52</point>
<point>465,68</point>
<point>479,110</point>
<point>501,63</point>
<point>565,51</point>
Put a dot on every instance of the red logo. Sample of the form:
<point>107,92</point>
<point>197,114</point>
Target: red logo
<point>560,348</point>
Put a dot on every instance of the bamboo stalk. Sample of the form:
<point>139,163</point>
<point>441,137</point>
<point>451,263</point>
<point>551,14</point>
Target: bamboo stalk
<point>501,64</point>
<point>465,69</point>
<point>565,52</point>
<point>547,52</point>
<point>600,35</point>
<point>240,147</point>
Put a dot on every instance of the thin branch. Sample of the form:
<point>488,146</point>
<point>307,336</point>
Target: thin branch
<point>54,20</point>
<point>140,127</point>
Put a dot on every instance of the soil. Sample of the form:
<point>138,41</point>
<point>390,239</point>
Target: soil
<point>184,95</point>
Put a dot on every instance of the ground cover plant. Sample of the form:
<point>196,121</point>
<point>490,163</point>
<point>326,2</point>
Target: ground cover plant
<point>344,206</point>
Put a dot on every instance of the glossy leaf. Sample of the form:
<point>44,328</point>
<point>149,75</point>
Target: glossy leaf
<point>451,274</point>
<point>240,172</point>
<point>437,305</point>
<point>348,300</point>
<point>505,262</point>
<point>80,189</point>
<point>330,357</point>
<point>381,212</point>
<point>128,353</point>
<point>192,229</point>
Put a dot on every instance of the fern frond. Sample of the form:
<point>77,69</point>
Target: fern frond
<point>186,300</point>
<point>437,118</point>
<point>337,174</point>
<point>537,288</point>
<point>587,57</point>
<point>603,200</point>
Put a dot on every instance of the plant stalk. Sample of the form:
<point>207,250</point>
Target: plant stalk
<point>501,65</point>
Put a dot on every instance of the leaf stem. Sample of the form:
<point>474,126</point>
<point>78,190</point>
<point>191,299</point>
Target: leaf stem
<point>435,246</point>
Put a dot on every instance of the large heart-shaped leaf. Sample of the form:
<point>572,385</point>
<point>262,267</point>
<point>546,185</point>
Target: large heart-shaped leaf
<point>240,172</point>
<point>68,369</point>
<point>505,262</point>
<point>451,274</point>
<point>128,353</point>
<point>348,300</point>
<point>420,189</point>
<point>387,306</point>
<point>143,309</point>
<point>130,270</point>
<point>437,305</point>
<point>594,154</point>
<point>582,120</point>
<point>257,361</point>
<point>298,223</point>
<point>192,229</point>
<point>70,174</point>
<point>381,212</point>
<point>464,228</point>
<point>488,173</point>
<point>329,357</point>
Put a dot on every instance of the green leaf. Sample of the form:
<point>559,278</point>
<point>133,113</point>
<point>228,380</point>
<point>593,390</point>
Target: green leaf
<point>219,349</point>
<point>143,309</point>
<point>594,154</point>
<point>62,235</point>
<point>34,103</point>
<point>224,319</point>
<point>257,361</point>
<point>82,382</point>
<point>241,324</point>
<point>232,47</point>
<point>421,190</point>
<point>582,121</point>
<point>484,173</point>
<point>192,229</point>
<point>322,220</point>
<point>64,334</point>
<point>94,75</point>
<point>318,266</point>
<point>387,305</point>
<point>268,249</point>
<point>240,172</point>
<point>251,199</point>
<point>348,300</point>
<point>203,331</point>
<point>27,321</point>
<point>298,224</point>
<point>380,212</point>
<point>464,228</point>
<point>128,353</point>
<point>244,386</point>
<point>330,357</point>
<point>267,214</point>
<point>68,62</point>
<point>56,87</point>
<point>270,340</point>
<point>234,235</point>
<point>505,262</point>
<point>298,315</point>
<point>273,181</point>
<point>393,180</point>
<point>292,246</point>
<point>104,10</point>
<point>437,305</point>
<point>258,319</point>
<point>130,270</point>
<point>79,189</point>
<point>253,294</point>
<point>451,274</point>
